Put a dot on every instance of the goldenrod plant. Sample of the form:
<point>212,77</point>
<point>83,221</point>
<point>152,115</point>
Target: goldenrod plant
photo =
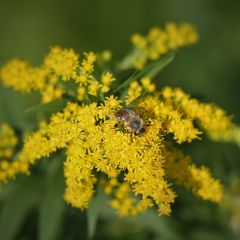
<point>117,130</point>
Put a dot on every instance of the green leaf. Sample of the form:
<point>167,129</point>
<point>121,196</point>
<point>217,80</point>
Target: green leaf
<point>44,110</point>
<point>127,62</point>
<point>16,206</point>
<point>52,205</point>
<point>92,98</point>
<point>162,226</point>
<point>98,208</point>
<point>53,106</point>
<point>92,217</point>
<point>159,65</point>
<point>151,70</point>
<point>127,81</point>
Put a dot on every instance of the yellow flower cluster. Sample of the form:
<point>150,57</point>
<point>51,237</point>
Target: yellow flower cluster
<point>180,168</point>
<point>94,144</point>
<point>107,79</point>
<point>8,142</point>
<point>123,201</point>
<point>231,134</point>
<point>62,62</point>
<point>136,89</point>
<point>103,148</point>
<point>60,66</point>
<point>21,76</point>
<point>209,116</point>
<point>135,169</point>
<point>159,41</point>
<point>174,121</point>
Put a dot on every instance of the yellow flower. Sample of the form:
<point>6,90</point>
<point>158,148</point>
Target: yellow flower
<point>93,88</point>
<point>147,84</point>
<point>21,76</point>
<point>87,65</point>
<point>107,78</point>
<point>8,142</point>
<point>134,92</point>
<point>82,79</point>
<point>159,41</point>
<point>94,144</point>
<point>209,116</point>
<point>63,62</point>
<point>81,91</point>
<point>231,134</point>
<point>198,179</point>
<point>135,170</point>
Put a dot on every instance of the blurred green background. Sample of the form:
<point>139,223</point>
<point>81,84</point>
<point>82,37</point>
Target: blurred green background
<point>208,70</point>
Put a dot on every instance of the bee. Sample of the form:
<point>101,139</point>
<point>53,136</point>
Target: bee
<point>130,120</point>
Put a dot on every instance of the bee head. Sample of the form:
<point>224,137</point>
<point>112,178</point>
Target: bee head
<point>140,131</point>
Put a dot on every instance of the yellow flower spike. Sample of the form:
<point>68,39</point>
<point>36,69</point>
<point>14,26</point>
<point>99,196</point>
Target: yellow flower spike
<point>107,78</point>
<point>58,93</point>
<point>79,180</point>
<point>4,165</point>
<point>63,62</point>
<point>146,81</point>
<point>210,117</point>
<point>198,179</point>
<point>137,168</point>
<point>21,76</point>
<point>91,57</point>
<point>147,84</point>
<point>134,91</point>
<point>159,41</point>
<point>139,41</point>
<point>87,65</point>
<point>134,85</point>
<point>127,205</point>
<point>8,141</point>
<point>231,134</point>
<point>81,93</point>
<point>82,79</point>
<point>93,87</point>
<point>105,89</point>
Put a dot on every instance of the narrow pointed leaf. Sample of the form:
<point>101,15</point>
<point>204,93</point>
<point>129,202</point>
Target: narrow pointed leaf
<point>52,204</point>
<point>17,205</point>
<point>151,70</point>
